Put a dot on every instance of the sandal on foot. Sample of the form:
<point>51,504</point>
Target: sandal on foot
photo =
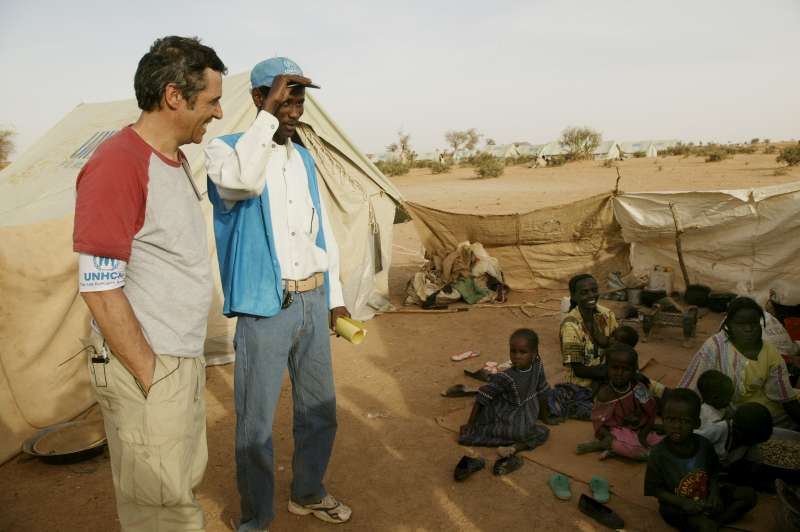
<point>599,487</point>
<point>328,509</point>
<point>600,513</point>
<point>507,465</point>
<point>466,467</point>
<point>458,390</point>
<point>560,486</point>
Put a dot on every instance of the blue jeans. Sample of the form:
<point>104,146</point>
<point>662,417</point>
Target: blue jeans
<point>297,338</point>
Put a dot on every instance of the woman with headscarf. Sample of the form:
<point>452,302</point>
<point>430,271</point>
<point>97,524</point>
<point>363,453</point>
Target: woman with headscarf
<point>758,372</point>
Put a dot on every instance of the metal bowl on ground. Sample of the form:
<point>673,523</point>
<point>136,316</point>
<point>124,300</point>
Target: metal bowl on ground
<point>66,443</point>
<point>697,295</point>
<point>650,297</point>
<point>719,301</point>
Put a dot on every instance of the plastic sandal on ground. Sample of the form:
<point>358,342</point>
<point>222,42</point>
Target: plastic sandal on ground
<point>600,513</point>
<point>599,487</point>
<point>560,486</point>
<point>466,467</point>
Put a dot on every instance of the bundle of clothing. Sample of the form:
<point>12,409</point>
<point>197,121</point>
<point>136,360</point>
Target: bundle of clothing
<point>468,273</point>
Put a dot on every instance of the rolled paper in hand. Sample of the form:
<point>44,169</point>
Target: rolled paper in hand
<point>351,330</point>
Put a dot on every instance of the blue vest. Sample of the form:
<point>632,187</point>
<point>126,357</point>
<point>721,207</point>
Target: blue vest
<point>248,263</point>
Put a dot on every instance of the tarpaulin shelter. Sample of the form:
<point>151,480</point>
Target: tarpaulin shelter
<point>44,318</point>
<point>744,241</point>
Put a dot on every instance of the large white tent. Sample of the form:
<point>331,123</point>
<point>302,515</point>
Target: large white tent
<point>44,318</point>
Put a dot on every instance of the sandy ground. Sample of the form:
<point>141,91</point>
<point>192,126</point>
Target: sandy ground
<point>392,462</point>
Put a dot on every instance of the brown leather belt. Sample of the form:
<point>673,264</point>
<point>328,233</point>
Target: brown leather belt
<point>304,285</point>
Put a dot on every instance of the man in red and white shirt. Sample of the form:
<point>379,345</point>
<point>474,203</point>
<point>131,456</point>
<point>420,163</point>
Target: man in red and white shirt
<point>145,274</point>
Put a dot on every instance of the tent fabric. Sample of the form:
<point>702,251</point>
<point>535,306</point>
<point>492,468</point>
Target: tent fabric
<point>537,249</point>
<point>743,241</point>
<point>43,316</point>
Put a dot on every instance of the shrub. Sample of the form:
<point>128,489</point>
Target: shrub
<point>745,149</point>
<point>421,163</point>
<point>770,149</point>
<point>608,163</point>
<point>489,166</point>
<point>678,149</point>
<point>639,154</point>
<point>440,168</point>
<point>716,155</point>
<point>755,140</point>
<point>522,159</point>
<point>557,160</point>
<point>393,168</point>
<point>780,171</point>
<point>789,155</point>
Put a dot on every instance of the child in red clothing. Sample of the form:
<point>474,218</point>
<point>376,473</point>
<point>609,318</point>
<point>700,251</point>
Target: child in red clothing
<point>624,411</point>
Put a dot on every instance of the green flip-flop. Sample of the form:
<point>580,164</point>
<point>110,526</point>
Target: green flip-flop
<point>560,486</point>
<point>599,487</point>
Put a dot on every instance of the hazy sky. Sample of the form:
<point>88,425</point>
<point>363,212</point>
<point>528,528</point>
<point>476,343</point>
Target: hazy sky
<point>634,69</point>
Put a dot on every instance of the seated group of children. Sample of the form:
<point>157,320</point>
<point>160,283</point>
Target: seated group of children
<point>699,439</point>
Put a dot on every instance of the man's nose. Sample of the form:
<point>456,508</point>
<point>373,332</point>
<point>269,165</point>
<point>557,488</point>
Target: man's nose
<point>218,111</point>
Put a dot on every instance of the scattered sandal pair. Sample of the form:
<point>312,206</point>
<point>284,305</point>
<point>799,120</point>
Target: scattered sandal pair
<point>560,485</point>
<point>468,465</point>
<point>590,506</point>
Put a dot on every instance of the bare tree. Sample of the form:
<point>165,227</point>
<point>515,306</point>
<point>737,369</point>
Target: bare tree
<point>455,139</point>
<point>466,139</point>
<point>6,146</point>
<point>580,142</point>
<point>473,137</point>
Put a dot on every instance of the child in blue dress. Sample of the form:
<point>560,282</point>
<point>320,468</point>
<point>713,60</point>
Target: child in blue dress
<point>508,408</point>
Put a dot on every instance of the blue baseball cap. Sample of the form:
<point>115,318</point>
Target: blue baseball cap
<point>263,74</point>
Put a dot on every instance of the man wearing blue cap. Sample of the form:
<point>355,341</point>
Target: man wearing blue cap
<point>279,264</point>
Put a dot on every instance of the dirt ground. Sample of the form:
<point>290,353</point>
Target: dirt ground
<point>392,462</point>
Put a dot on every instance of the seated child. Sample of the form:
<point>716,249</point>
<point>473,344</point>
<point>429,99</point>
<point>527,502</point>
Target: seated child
<point>507,408</point>
<point>624,411</point>
<point>716,389</point>
<point>733,438</point>
<point>682,472</point>
<point>625,334</point>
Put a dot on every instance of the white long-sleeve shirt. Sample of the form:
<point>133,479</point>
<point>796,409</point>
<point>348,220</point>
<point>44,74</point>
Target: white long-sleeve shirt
<point>257,161</point>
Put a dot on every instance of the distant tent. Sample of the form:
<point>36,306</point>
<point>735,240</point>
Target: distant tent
<point>503,151</point>
<point>662,145</point>
<point>640,146</point>
<point>608,149</point>
<point>526,149</point>
<point>46,318</point>
<point>554,148</point>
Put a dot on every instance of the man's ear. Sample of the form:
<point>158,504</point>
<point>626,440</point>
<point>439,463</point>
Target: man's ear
<point>172,96</point>
<point>257,98</point>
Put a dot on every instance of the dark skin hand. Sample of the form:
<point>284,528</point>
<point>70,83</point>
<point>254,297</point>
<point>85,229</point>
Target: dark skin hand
<point>336,313</point>
<point>595,373</point>
<point>279,92</point>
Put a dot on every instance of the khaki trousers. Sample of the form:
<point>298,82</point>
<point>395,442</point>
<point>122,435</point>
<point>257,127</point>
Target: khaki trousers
<point>157,443</point>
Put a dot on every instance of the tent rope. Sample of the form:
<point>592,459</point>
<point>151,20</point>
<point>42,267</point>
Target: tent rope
<point>331,166</point>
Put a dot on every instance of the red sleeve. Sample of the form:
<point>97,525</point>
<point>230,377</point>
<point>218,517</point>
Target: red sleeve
<point>111,201</point>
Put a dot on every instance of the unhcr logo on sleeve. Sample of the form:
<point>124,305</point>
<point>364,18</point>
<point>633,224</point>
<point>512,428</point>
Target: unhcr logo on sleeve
<point>100,273</point>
